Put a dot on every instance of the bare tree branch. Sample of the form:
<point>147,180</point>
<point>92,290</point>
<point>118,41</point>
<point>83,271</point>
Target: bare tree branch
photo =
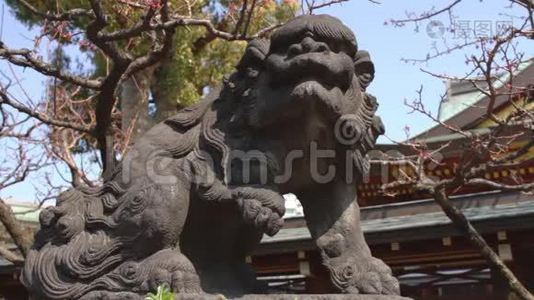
<point>177,21</point>
<point>527,187</point>
<point>64,16</point>
<point>22,239</point>
<point>157,52</point>
<point>10,255</point>
<point>462,223</point>
<point>427,15</point>
<point>241,18</point>
<point>26,58</point>
<point>40,116</point>
<point>313,7</point>
<point>249,19</point>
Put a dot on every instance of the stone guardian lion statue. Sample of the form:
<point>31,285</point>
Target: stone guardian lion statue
<point>197,192</point>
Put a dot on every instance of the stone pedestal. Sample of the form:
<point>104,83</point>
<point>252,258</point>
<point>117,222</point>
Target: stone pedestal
<point>322,297</point>
<point>133,296</point>
<point>294,297</point>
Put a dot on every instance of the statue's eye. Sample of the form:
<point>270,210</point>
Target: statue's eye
<point>294,50</point>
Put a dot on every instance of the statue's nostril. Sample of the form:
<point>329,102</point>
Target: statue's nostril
<point>311,45</point>
<point>322,47</point>
<point>294,50</point>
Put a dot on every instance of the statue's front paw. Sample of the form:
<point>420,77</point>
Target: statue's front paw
<point>260,216</point>
<point>366,275</point>
<point>184,282</point>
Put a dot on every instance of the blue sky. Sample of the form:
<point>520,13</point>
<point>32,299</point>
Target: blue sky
<point>394,81</point>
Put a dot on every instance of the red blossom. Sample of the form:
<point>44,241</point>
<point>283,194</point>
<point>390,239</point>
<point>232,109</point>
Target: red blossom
<point>154,4</point>
<point>86,45</point>
<point>232,8</point>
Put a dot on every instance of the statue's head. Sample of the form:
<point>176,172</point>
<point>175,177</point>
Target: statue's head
<point>310,69</point>
<point>311,56</point>
<point>312,50</point>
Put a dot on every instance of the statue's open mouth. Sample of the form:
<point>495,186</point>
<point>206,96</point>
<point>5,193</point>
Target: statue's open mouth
<point>327,83</point>
<point>329,70</point>
<point>311,88</point>
<point>333,83</point>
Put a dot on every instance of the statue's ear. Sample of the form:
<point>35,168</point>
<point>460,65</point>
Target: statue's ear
<point>364,68</point>
<point>254,56</point>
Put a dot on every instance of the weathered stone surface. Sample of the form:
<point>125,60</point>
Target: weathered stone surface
<point>195,194</point>
<point>296,297</point>
<point>323,297</point>
<point>133,296</point>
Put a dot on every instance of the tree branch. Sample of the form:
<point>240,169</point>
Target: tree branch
<point>501,186</point>
<point>177,21</point>
<point>157,53</point>
<point>15,229</point>
<point>106,98</point>
<point>241,17</point>
<point>40,116</point>
<point>249,19</point>
<point>462,223</point>
<point>314,7</point>
<point>29,60</point>
<point>10,255</point>
<point>64,16</point>
<point>94,34</point>
<point>427,15</point>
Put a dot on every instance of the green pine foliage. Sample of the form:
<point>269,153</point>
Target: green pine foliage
<point>197,61</point>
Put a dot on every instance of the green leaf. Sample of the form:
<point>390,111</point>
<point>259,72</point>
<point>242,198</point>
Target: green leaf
<point>163,293</point>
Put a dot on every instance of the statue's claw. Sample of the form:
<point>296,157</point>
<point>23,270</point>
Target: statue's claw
<point>260,216</point>
<point>365,275</point>
<point>261,207</point>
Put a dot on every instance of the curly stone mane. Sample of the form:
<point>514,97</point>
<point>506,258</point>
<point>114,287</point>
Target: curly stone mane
<point>216,120</point>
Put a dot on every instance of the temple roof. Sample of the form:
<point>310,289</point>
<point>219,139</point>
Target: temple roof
<point>465,105</point>
<point>462,94</point>
<point>489,211</point>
